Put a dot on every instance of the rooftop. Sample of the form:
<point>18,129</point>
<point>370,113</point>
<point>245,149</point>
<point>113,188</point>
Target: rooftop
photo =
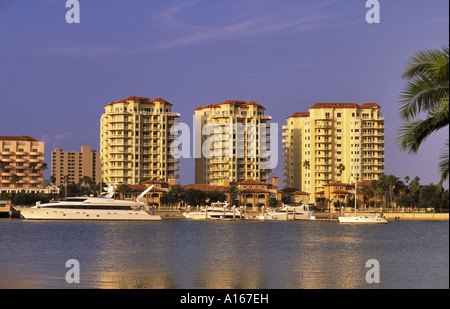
<point>18,138</point>
<point>142,100</point>
<point>231,102</point>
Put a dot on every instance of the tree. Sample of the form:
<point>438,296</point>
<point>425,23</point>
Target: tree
<point>2,166</point>
<point>341,168</point>
<point>367,193</point>
<point>123,189</point>
<point>165,198</point>
<point>232,190</point>
<point>306,164</point>
<point>14,179</point>
<point>193,197</point>
<point>175,194</point>
<point>426,91</point>
<point>216,196</point>
<point>273,202</point>
<point>43,166</point>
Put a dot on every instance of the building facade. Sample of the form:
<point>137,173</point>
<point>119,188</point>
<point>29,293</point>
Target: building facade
<point>75,165</point>
<point>135,139</point>
<point>235,144</point>
<point>333,142</point>
<point>21,164</point>
<point>251,193</point>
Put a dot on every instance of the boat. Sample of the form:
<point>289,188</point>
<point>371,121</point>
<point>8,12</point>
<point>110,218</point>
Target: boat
<point>292,212</point>
<point>104,207</point>
<point>378,219</point>
<point>217,211</point>
<point>362,219</point>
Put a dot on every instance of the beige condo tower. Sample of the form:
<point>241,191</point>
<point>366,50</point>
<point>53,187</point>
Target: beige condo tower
<point>333,142</point>
<point>135,141</point>
<point>240,150</point>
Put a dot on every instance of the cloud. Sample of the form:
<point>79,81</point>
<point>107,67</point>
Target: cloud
<point>245,23</point>
<point>195,22</point>
<point>55,141</point>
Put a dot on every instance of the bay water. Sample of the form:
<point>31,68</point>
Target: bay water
<point>183,254</point>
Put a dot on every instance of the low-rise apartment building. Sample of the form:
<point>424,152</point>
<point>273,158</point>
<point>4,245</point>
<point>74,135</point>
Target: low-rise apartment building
<point>75,165</point>
<point>21,164</point>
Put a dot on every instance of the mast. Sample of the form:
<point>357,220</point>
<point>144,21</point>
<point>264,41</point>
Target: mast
<point>356,189</point>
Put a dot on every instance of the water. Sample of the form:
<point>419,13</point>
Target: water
<point>184,254</point>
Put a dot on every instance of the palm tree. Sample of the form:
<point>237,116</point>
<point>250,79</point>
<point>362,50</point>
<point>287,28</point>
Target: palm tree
<point>341,168</point>
<point>32,166</point>
<point>175,194</point>
<point>426,91</point>
<point>14,179</point>
<point>2,166</point>
<point>306,164</point>
<point>43,166</point>
<point>232,190</point>
<point>122,189</point>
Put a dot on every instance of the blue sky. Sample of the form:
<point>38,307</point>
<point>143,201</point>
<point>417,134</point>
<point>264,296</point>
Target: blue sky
<point>286,55</point>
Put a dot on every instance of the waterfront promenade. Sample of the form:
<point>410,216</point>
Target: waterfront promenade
<point>322,215</point>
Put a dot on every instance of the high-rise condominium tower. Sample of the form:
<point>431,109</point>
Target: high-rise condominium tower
<point>333,142</point>
<point>135,141</point>
<point>235,142</point>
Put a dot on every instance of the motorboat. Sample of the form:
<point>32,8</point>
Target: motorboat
<point>292,212</point>
<point>104,207</point>
<point>217,211</point>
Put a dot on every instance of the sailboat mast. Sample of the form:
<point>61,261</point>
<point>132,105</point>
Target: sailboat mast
<point>356,186</point>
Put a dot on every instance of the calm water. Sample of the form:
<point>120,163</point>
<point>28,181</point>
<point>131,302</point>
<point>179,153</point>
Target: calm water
<point>186,254</point>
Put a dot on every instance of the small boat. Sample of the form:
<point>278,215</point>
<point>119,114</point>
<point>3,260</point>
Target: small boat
<point>103,207</point>
<point>378,219</point>
<point>217,211</point>
<point>292,212</point>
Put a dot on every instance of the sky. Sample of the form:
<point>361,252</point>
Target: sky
<point>287,55</point>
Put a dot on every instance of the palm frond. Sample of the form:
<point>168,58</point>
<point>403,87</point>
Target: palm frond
<point>427,76</point>
<point>444,164</point>
<point>414,133</point>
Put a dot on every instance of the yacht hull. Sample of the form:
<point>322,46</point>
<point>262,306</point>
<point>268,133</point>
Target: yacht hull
<point>85,214</point>
<point>290,216</point>
<point>362,220</point>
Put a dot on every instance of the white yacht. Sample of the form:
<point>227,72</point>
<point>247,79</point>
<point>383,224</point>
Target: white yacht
<point>360,219</point>
<point>103,207</point>
<point>292,212</point>
<point>378,219</point>
<point>217,211</point>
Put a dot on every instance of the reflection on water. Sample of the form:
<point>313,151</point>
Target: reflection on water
<point>224,255</point>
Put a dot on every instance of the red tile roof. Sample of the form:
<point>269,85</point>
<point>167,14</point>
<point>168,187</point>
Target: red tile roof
<point>231,102</point>
<point>345,105</point>
<point>334,105</point>
<point>18,138</point>
<point>299,192</point>
<point>250,182</point>
<point>299,115</point>
<point>340,192</point>
<point>141,100</point>
<point>204,187</point>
